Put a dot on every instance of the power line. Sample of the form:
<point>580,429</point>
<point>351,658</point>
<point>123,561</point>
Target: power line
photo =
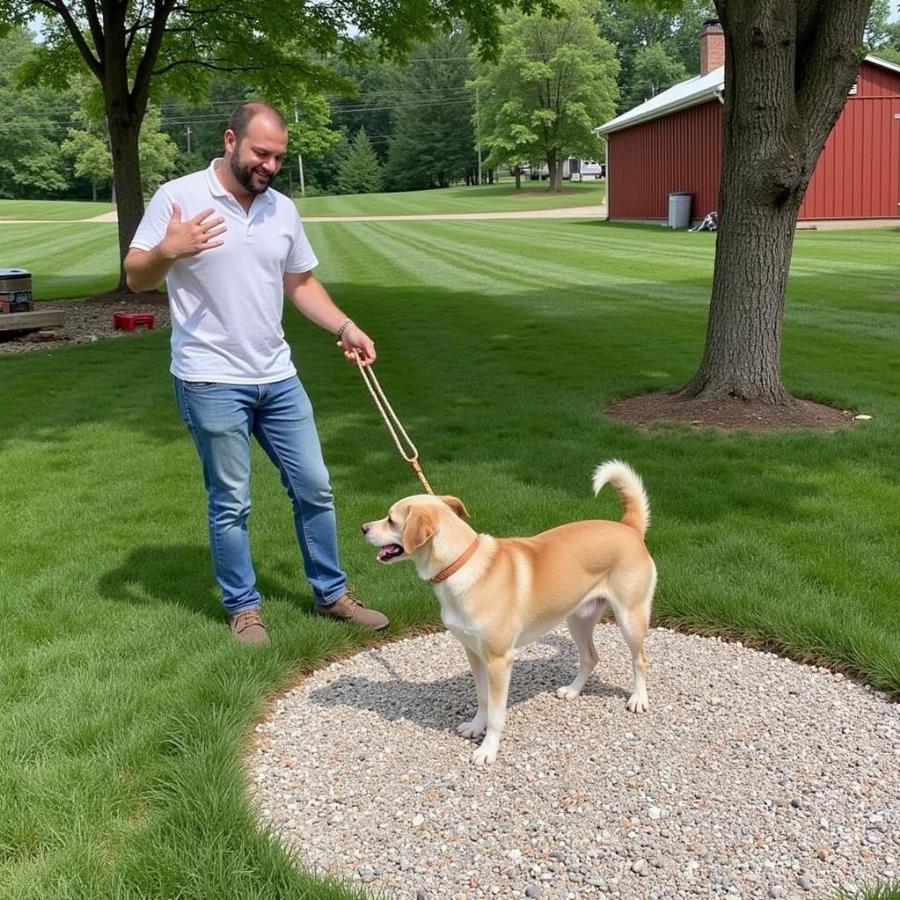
<point>65,120</point>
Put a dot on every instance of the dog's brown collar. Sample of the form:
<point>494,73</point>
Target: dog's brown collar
<point>467,554</point>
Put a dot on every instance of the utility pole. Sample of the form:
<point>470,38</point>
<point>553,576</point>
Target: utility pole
<point>299,156</point>
<point>187,132</point>
<point>478,132</point>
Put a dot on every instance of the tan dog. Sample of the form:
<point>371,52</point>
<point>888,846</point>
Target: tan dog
<point>497,594</point>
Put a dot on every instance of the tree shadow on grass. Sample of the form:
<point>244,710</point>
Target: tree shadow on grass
<point>440,705</point>
<point>539,416</point>
<point>179,574</point>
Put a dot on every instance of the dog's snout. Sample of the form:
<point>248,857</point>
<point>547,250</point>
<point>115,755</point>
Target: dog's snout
<point>366,526</point>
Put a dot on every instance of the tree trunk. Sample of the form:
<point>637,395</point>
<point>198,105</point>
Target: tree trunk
<point>518,172</point>
<point>742,358</point>
<point>789,65</point>
<point>554,172</point>
<point>127,178</point>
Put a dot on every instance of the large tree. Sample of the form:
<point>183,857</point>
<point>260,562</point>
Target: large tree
<point>883,34</point>
<point>360,171</point>
<point>370,101</point>
<point>654,71</point>
<point>87,145</point>
<point>789,67</point>
<point>555,78</point>
<point>32,123</point>
<point>433,141</point>
<point>634,27</point>
<point>127,45</point>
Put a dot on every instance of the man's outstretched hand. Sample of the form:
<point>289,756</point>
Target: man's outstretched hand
<point>189,238</point>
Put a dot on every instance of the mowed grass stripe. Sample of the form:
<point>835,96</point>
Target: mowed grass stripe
<point>458,253</point>
<point>458,199</point>
<point>449,256</point>
<point>52,209</point>
<point>65,260</point>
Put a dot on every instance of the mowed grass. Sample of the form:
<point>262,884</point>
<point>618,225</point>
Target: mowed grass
<point>69,259</point>
<point>502,197</point>
<point>124,706</point>
<point>56,210</point>
<point>65,259</point>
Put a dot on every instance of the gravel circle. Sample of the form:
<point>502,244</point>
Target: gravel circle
<point>751,776</point>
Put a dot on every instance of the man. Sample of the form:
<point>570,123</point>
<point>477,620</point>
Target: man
<point>230,249</point>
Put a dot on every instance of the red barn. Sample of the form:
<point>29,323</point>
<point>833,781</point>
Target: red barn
<point>673,143</point>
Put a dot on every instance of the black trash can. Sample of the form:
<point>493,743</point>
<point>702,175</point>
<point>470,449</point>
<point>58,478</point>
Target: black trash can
<point>15,290</point>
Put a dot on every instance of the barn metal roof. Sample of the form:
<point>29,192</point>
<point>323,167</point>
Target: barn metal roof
<point>689,93</point>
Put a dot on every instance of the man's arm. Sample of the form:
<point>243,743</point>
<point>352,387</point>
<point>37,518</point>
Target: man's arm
<point>147,269</point>
<point>308,294</point>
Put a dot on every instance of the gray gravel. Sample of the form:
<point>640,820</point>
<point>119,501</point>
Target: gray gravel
<point>751,776</point>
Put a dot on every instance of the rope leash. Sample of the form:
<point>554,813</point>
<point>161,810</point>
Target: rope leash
<point>395,427</point>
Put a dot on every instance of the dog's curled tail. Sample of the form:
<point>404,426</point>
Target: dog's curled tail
<point>631,492</point>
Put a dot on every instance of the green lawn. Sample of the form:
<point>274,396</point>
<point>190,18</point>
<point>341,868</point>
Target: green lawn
<point>501,197</point>
<point>55,210</point>
<point>65,259</point>
<point>123,703</point>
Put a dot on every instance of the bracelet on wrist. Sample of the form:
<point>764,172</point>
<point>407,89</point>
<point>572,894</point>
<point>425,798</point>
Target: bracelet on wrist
<point>344,326</point>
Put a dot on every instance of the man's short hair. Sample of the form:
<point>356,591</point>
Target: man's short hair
<point>246,112</point>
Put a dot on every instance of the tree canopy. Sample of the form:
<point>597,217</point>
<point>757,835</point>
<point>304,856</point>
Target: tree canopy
<point>433,142</point>
<point>882,34</point>
<point>553,82</point>
<point>636,26</point>
<point>359,171</point>
<point>135,49</point>
<point>87,145</point>
<point>654,71</point>
<point>32,123</point>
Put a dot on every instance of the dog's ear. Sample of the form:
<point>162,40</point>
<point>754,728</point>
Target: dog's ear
<point>417,529</point>
<point>456,505</point>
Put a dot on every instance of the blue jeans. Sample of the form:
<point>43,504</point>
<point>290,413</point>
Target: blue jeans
<point>221,419</point>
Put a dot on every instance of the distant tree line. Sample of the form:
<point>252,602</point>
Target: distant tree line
<point>380,125</point>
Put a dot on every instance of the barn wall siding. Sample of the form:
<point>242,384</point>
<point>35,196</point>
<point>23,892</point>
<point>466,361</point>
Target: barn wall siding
<point>858,174</point>
<point>677,153</point>
<point>856,177</point>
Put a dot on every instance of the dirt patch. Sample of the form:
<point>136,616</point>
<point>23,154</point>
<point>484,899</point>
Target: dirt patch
<point>647,410</point>
<point>87,321</point>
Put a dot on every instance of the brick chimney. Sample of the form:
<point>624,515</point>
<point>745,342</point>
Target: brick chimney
<point>712,46</point>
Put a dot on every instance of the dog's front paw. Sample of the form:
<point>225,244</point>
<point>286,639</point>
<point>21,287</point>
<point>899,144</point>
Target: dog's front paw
<point>486,753</point>
<point>568,692</point>
<point>637,702</point>
<point>473,729</point>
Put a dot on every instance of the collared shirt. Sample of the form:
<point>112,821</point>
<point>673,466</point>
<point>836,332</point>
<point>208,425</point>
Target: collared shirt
<point>227,302</point>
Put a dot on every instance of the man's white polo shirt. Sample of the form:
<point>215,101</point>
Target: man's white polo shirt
<point>227,302</point>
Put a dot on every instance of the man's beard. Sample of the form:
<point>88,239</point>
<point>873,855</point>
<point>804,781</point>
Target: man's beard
<point>244,176</point>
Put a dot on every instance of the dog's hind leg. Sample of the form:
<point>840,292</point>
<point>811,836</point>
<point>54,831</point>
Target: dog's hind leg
<point>475,728</point>
<point>581,626</point>
<point>498,672</point>
<point>634,624</point>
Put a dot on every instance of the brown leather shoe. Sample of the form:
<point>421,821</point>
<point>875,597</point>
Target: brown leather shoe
<point>247,628</point>
<point>347,607</point>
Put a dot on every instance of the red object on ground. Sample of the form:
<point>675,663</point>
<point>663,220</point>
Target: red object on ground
<point>130,321</point>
